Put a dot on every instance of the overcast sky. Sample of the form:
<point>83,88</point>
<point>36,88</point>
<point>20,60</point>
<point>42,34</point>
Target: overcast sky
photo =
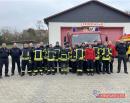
<point>22,14</point>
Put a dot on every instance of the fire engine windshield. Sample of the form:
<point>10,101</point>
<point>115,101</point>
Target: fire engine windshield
<point>87,38</point>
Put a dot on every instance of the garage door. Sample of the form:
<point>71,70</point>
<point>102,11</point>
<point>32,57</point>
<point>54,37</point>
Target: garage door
<point>111,33</point>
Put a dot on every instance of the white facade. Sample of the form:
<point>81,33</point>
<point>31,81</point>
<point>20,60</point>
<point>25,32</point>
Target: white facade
<point>55,29</point>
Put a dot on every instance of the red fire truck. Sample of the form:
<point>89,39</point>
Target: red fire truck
<point>84,36</point>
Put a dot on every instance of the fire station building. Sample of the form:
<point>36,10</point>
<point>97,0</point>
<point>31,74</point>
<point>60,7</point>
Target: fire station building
<point>89,16</point>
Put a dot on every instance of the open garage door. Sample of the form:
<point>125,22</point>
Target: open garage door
<point>112,33</point>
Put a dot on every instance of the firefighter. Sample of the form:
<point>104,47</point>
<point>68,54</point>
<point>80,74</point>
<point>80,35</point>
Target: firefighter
<point>45,57</point>
<point>90,58</point>
<point>51,60</point>
<point>106,58</point>
<point>79,59</point>
<point>98,52</point>
<point>83,45</point>
<point>31,61</point>
<point>68,50</point>
<point>4,53</point>
<point>25,58</point>
<point>128,52</point>
<point>122,50</point>
<point>64,61</point>
<point>15,53</point>
<point>38,60</point>
<point>44,51</point>
<point>57,50</point>
<point>72,57</point>
<point>100,47</point>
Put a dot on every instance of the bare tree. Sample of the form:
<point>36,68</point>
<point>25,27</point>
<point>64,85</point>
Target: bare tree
<point>40,25</point>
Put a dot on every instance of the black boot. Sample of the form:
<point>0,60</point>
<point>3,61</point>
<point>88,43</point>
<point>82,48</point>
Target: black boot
<point>48,72</point>
<point>53,71</point>
<point>62,71</point>
<point>34,74</point>
<point>19,73</point>
<point>118,71</point>
<point>6,75</point>
<point>65,71</point>
<point>22,74</point>
<point>79,71</point>
<point>108,73</point>
<point>1,77</point>
<point>126,72</point>
<point>111,71</point>
<point>12,74</point>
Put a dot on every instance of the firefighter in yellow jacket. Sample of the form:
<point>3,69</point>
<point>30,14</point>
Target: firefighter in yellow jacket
<point>64,61</point>
<point>38,60</point>
<point>51,60</point>
<point>128,52</point>
<point>98,62</point>
<point>80,59</point>
<point>72,57</point>
<point>106,58</point>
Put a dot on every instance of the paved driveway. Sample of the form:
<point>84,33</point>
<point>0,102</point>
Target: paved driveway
<point>65,88</point>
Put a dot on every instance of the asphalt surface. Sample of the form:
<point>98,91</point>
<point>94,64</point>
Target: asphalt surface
<point>65,88</point>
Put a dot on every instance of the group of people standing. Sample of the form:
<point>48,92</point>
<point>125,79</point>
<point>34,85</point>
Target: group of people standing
<point>84,58</point>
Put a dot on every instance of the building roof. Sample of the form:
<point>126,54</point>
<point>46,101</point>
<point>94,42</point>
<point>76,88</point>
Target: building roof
<point>91,11</point>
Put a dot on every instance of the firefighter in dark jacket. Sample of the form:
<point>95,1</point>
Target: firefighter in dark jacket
<point>57,49</point>
<point>51,60</point>
<point>31,60</point>
<point>15,53</point>
<point>38,60</point>
<point>25,59</point>
<point>106,58</point>
<point>64,61</point>
<point>4,53</point>
<point>79,59</point>
<point>122,50</point>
